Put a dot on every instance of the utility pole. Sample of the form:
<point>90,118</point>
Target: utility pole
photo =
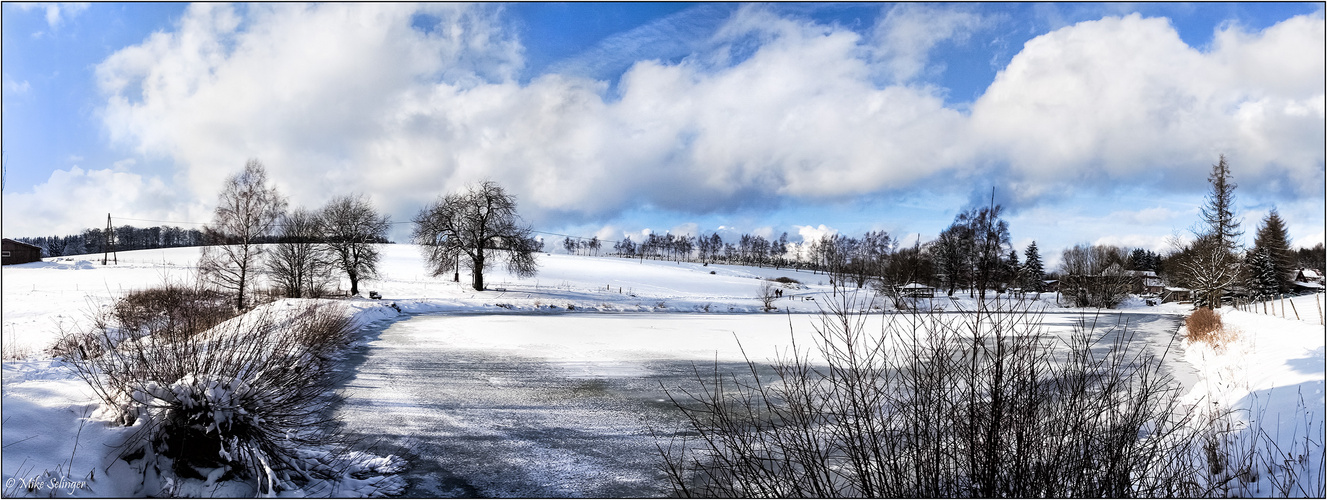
<point>110,242</point>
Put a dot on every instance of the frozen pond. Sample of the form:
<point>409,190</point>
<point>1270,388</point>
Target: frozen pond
<point>561,405</point>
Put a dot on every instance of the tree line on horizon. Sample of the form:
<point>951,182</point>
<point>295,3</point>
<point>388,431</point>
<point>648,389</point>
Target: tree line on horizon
<point>973,254</point>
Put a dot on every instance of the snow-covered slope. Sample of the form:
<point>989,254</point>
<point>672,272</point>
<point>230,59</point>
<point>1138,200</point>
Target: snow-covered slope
<point>1277,363</point>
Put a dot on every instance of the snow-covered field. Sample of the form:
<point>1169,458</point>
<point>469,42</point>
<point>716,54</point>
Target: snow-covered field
<point>48,412</point>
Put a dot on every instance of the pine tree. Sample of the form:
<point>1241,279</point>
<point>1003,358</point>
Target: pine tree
<point>1010,269</point>
<point>1272,237</point>
<point>1033,272</point>
<point>1219,213</point>
<point>1211,267</point>
<point>1264,281</point>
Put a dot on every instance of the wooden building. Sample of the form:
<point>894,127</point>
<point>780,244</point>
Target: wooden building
<point>15,252</point>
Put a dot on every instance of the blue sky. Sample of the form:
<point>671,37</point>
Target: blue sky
<point>1094,122</point>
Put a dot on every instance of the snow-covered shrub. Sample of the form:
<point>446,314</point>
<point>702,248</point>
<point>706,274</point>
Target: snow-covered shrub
<point>767,294</point>
<point>939,405</point>
<point>236,401</point>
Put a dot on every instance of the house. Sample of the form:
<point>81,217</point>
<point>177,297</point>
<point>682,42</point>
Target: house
<point>15,252</point>
<point>916,290</point>
<point>1307,280</point>
<point>1145,283</point>
<point>1176,294</point>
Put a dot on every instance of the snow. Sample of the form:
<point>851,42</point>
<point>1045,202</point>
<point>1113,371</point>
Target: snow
<point>1272,373</point>
<point>1275,363</point>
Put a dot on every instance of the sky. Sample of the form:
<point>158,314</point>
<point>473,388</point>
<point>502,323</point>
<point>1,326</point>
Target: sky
<point>1092,123</point>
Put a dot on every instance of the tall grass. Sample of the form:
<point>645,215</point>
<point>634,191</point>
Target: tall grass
<point>980,403</point>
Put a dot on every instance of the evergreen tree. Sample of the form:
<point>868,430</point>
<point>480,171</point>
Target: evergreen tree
<point>1219,212</point>
<point>1209,265</point>
<point>1273,238</point>
<point>1264,281</point>
<point>1011,269</point>
<point>1033,271</point>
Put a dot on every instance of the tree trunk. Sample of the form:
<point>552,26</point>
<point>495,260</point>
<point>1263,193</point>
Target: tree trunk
<point>478,274</point>
<point>239,297</point>
<point>354,283</point>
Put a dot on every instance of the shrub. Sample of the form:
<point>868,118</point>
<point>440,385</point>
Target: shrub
<point>244,396</point>
<point>938,405</point>
<point>767,294</point>
<point>1204,325</point>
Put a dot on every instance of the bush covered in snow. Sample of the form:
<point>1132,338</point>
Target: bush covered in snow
<point>242,400</point>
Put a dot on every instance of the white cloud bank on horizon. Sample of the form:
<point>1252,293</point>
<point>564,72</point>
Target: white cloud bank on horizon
<point>339,98</point>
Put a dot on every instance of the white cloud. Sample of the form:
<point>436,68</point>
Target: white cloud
<point>688,229</point>
<point>335,98</point>
<point>74,199</point>
<point>1126,98</point>
<point>1155,243</point>
<point>13,86</point>
<point>1147,216</point>
<point>908,32</point>
<point>56,13</point>
<point>813,233</point>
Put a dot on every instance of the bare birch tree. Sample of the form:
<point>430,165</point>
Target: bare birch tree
<point>247,211</point>
<point>300,265</point>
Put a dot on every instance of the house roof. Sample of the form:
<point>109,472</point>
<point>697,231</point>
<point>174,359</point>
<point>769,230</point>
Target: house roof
<point>20,243</point>
<point>915,286</point>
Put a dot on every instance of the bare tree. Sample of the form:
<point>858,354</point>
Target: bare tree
<point>768,293</point>
<point>352,230</point>
<point>1208,268</point>
<point>247,211</point>
<point>476,224</point>
<point>299,263</point>
<point>1095,275</point>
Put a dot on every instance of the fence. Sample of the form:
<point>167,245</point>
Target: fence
<point>1284,306</point>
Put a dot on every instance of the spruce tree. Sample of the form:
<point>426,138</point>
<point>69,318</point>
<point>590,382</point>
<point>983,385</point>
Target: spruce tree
<point>1272,237</point>
<point>1210,266</point>
<point>1033,271</point>
<point>1010,269</point>
<point>1219,212</point>
<point>1264,281</point>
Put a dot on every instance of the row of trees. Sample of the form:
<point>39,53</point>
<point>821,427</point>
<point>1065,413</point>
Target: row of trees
<point>125,238</point>
<point>1214,264</point>
<point>481,225</point>
<point>312,246</point>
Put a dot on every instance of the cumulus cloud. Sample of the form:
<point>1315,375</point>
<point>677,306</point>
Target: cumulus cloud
<point>74,199</point>
<point>1124,98</point>
<point>338,98</point>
